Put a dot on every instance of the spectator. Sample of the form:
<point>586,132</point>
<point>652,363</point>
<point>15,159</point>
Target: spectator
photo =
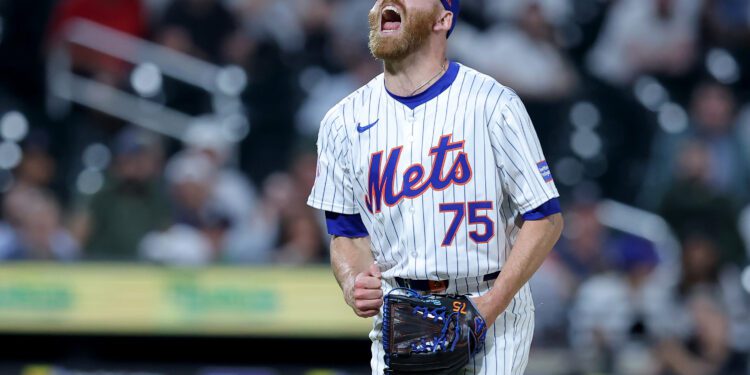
<point>231,187</point>
<point>646,37</point>
<point>301,241</point>
<point>695,335</point>
<point>254,234</point>
<point>28,199</point>
<point>132,202</point>
<point>224,223</point>
<point>184,243</point>
<point>301,237</point>
<point>691,202</point>
<point>553,289</point>
<point>35,231</point>
<point>705,349</point>
<point>586,244</point>
<point>712,123</point>
<point>609,319</point>
<point>192,179</point>
<point>532,64</point>
<point>37,167</point>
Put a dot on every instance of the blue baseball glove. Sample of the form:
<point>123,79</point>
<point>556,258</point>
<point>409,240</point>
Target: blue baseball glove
<point>432,334</point>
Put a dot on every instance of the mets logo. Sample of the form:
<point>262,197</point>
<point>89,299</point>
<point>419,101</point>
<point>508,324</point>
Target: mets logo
<point>415,180</point>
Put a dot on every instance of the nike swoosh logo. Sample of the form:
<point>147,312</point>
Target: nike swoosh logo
<point>363,129</point>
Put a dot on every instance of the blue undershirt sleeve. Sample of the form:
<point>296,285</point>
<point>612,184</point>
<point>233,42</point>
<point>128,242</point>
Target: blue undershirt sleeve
<point>549,208</point>
<point>343,225</point>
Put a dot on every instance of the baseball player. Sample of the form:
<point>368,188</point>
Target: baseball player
<point>432,177</point>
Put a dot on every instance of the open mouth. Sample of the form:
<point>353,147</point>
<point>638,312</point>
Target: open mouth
<point>390,19</point>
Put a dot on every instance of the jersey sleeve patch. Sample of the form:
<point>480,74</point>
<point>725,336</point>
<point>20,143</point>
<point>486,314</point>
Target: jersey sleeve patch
<point>548,208</point>
<point>544,170</point>
<point>343,225</point>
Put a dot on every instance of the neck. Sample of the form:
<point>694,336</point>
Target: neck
<point>403,77</point>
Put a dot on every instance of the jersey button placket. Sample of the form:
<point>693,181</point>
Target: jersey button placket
<point>409,204</point>
<point>409,128</point>
<point>409,136</point>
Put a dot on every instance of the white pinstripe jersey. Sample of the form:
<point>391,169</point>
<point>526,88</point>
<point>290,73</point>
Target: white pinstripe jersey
<point>439,187</point>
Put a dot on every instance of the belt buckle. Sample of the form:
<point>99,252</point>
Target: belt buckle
<point>437,286</point>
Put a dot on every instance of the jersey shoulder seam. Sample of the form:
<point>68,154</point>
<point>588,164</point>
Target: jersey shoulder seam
<point>357,93</point>
<point>487,78</point>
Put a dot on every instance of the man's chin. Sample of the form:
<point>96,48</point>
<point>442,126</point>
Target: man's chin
<point>389,48</point>
<point>388,55</point>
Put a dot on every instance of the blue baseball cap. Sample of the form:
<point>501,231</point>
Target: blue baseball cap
<point>453,6</point>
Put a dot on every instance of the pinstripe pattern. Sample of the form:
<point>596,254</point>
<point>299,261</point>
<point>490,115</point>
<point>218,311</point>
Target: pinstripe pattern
<point>508,341</point>
<point>502,151</point>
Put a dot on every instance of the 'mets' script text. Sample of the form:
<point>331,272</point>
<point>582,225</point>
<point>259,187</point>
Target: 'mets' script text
<point>416,180</point>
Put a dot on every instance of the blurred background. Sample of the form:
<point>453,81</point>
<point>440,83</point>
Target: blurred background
<point>156,155</point>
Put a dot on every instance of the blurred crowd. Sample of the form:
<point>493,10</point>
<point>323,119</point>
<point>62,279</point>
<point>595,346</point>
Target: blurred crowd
<point>646,102</point>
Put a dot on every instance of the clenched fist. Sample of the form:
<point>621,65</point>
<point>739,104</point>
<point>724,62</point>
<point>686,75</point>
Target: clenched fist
<point>365,296</point>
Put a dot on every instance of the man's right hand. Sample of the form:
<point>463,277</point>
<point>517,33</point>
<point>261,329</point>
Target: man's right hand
<point>366,297</point>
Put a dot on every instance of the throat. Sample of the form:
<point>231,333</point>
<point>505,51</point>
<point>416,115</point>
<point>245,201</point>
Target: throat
<point>407,84</point>
<point>431,90</point>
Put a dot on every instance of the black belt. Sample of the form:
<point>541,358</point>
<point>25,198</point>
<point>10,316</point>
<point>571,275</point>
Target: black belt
<point>436,286</point>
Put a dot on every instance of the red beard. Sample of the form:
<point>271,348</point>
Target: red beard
<point>416,28</point>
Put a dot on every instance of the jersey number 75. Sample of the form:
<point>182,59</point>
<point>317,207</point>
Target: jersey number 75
<point>485,227</point>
